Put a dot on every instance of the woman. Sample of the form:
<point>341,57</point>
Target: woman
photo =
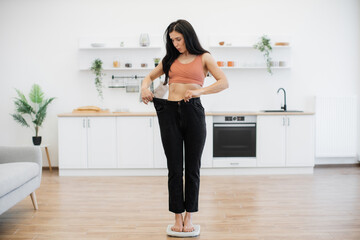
<point>181,116</point>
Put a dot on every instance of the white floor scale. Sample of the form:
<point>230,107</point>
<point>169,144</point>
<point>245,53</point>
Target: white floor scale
<point>194,233</point>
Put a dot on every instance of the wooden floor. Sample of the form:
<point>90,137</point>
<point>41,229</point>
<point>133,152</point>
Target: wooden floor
<point>325,205</point>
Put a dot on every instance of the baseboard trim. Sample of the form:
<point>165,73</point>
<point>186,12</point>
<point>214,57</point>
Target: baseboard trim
<point>337,165</point>
<point>335,160</point>
<point>204,171</point>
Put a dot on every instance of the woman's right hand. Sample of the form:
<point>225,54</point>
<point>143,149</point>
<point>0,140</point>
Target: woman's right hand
<point>146,95</point>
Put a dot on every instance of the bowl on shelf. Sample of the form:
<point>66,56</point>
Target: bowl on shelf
<point>98,44</point>
<point>278,110</point>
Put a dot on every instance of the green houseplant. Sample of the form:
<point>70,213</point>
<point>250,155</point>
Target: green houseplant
<point>36,111</point>
<point>97,69</point>
<point>264,46</point>
<point>156,61</point>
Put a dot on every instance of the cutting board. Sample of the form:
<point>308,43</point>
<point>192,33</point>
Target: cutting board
<point>90,109</point>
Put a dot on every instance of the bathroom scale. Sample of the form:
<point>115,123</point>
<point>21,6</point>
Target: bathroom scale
<point>194,233</point>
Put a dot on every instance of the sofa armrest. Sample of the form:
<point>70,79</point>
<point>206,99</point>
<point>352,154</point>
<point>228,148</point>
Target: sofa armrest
<point>21,154</point>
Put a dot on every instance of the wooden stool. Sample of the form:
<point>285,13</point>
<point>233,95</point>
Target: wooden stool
<point>47,155</point>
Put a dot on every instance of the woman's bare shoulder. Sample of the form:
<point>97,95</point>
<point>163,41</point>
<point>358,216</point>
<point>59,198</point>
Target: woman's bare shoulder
<point>207,57</point>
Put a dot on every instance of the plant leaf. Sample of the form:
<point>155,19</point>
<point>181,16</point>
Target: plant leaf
<point>41,113</point>
<point>18,118</point>
<point>23,107</point>
<point>96,68</point>
<point>21,95</point>
<point>264,46</point>
<point>36,95</point>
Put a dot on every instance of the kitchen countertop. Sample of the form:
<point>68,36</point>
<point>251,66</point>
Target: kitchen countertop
<point>119,114</point>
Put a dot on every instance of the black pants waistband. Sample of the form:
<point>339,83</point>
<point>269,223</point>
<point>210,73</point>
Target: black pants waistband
<point>176,103</point>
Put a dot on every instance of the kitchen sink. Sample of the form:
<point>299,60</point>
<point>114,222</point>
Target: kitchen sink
<point>281,111</point>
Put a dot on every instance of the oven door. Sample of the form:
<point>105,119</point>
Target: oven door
<point>234,140</point>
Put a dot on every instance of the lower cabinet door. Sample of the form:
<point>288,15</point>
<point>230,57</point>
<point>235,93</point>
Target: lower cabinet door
<point>270,138</point>
<point>300,133</point>
<point>135,142</point>
<point>72,140</point>
<point>101,142</point>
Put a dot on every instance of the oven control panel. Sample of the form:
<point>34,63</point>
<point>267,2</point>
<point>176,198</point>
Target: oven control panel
<point>234,118</point>
<point>238,119</point>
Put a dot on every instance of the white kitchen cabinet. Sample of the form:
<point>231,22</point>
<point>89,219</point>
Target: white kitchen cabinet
<point>87,142</point>
<point>135,142</point>
<point>285,141</point>
<point>72,138</point>
<point>101,142</point>
<point>132,144</point>
<point>270,141</point>
<point>300,134</point>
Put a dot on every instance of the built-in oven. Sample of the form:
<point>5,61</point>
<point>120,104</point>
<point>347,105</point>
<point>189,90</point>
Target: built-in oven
<point>234,140</point>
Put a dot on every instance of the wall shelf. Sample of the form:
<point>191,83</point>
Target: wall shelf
<point>110,52</point>
<point>247,46</point>
<point>241,52</point>
<point>253,68</point>
<point>120,48</point>
<point>120,69</point>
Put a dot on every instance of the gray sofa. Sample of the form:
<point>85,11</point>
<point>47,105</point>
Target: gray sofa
<point>20,175</point>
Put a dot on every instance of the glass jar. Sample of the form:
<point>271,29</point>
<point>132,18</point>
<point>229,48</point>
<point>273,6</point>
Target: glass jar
<point>116,63</point>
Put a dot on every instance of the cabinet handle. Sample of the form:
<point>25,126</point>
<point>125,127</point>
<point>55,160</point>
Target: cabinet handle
<point>88,123</point>
<point>83,123</point>
<point>288,121</point>
<point>233,164</point>
<point>283,121</point>
<point>150,122</point>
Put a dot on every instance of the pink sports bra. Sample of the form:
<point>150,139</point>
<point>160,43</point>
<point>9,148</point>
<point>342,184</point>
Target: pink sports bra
<point>187,73</point>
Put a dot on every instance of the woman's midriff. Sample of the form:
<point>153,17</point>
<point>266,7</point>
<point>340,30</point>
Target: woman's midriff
<point>177,90</point>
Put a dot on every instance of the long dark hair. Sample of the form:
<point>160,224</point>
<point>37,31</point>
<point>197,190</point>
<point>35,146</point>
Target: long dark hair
<point>192,44</point>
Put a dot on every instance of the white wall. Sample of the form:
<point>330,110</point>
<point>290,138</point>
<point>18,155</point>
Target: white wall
<point>358,61</point>
<point>39,44</point>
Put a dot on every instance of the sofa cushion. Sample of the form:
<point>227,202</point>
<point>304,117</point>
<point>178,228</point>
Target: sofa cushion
<point>14,175</point>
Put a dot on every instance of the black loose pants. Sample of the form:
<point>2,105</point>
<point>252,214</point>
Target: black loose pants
<point>182,127</point>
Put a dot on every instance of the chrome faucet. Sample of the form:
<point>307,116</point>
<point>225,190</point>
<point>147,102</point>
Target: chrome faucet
<point>283,107</point>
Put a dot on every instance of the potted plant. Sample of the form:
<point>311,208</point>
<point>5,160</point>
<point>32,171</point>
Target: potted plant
<point>264,46</point>
<point>156,61</point>
<point>36,111</point>
<point>97,69</point>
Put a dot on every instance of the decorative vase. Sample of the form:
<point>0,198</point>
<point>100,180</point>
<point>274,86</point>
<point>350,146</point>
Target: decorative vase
<point>36,141</point>
<point>144,40</point>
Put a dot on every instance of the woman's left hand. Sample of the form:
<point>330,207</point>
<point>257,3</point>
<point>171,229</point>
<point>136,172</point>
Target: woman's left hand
<point>191,94</point>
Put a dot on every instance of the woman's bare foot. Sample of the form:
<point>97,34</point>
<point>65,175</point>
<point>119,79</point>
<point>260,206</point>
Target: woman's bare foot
<point>178,226</point>
<point>188,226</point>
